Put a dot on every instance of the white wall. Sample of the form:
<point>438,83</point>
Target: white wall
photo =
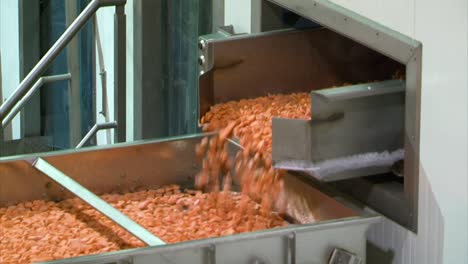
<point>105,22</point>
<point>241,14</point>
<point>9,46</point>
<point>442,28</point>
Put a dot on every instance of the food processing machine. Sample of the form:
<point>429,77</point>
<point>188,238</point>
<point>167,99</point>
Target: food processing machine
<point>363,136</point>
<point>359,150</point>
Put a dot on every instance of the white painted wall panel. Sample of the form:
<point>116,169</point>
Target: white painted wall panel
<point>397,14</point>
<point>105,21</point>
<point>407,247</point>
<point>9,45</point>
<point>238,13</point>
<point>442,28</point>
<point>105,24</point>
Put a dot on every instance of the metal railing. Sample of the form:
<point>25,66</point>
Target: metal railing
<point>93,131</point>
<point>33,81</point>
<point>19,105</point>
<point>27,86</point>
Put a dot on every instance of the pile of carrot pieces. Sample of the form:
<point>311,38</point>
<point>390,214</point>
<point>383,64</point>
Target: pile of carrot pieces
<point>44,230</point>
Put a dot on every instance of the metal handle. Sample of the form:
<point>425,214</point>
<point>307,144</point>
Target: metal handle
<point>97,203</point>
<point>53,52</point>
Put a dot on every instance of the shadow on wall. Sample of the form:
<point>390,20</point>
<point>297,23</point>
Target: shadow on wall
<point>378,255</point>
<point>389,243</point>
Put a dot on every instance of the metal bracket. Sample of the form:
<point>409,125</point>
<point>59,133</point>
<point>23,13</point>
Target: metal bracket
<point>355,131</point>
<point>90,198</point>
<point>205,49</point>
<point>211,253</point>
<point>291,241</point>
<point>92,132</point>
<point>341,256</point>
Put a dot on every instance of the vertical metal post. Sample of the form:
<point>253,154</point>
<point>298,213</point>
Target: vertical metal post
<point>150,94</point>
<point>120,74</point>
<point>29,41</point>
<point>2,138</point>
<point>71,10</point>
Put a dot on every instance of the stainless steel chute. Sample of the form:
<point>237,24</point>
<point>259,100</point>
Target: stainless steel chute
<point>365,86</point>
<point>149,164</point>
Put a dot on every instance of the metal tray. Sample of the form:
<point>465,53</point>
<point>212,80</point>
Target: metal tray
<point>151,164</point>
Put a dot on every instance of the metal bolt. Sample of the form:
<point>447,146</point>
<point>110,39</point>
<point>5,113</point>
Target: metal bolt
<point>201,60</point>
<point>202,44</point>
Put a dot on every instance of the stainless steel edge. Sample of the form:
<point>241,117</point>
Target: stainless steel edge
<point>412,135</point>
<point>84,194</point>
<point>150,253</point>
<point>354,26</point>
<point>361,90</point>
<point>98,148</point>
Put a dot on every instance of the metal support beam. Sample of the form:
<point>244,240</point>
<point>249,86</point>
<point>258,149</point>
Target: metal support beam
<point>150,97</point>
<point>73,64</point>
<point>103,207</point>
<point>92,132</point>
<point>29,42</point>
<point>120,74</point>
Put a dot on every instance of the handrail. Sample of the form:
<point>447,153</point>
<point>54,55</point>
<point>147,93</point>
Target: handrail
<point>96,202</point>
<point>97,127</point>
<point>53,52</point>
<point>18,106</point>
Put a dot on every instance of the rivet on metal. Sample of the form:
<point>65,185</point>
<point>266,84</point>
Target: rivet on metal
<point>201,60</point>
<point>202,44</point>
